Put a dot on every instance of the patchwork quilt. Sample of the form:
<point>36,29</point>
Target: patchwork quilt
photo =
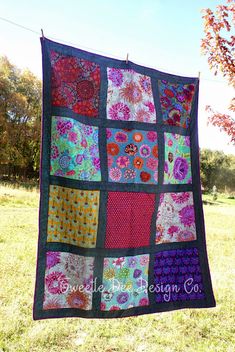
<point>121,227</point>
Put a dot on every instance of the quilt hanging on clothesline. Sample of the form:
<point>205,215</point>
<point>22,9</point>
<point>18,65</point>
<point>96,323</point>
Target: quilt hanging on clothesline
<point>121,227</point>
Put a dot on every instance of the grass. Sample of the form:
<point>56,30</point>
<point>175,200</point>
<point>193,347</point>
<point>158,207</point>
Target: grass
<point>198,330</point>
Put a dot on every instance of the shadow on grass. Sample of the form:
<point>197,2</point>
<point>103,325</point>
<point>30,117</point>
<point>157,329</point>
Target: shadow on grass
<point>28,184</point>
<point>210,202</point>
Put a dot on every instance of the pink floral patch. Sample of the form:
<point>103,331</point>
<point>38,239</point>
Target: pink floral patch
<point>75,84</point>
<point>119,111</point>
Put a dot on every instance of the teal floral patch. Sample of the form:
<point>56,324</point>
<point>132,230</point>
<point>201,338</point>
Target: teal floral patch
<point>74,150</point>
<point>177,167</point>
<point>125,282</point>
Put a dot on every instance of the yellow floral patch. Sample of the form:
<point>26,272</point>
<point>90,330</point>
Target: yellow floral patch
<point>73,216</point>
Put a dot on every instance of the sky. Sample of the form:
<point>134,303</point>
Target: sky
<point>162,34</point>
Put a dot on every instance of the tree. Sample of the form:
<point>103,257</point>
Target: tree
<point>20,115</point>
<point>219,45</point>
<point>217,169</point>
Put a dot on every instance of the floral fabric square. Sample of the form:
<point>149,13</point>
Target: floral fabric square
<point>75,84</point>
<point>177,167</point>
<point>132,156</point>
<point>74,150</point>
<point>68,281</point>
<point>129,96</point>
<point>73,216</point>
<point>175,218</point>
<point>176,102</point>
<point>125,282</point>
<point>129,216</point>
<point>177,276</point>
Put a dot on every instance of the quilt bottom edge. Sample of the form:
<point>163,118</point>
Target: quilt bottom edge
<point>39,314</point>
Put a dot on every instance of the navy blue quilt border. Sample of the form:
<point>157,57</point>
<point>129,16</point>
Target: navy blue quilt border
<point>46,180</point>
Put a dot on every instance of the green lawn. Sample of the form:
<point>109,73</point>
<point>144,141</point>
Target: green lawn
<point>185,330</point>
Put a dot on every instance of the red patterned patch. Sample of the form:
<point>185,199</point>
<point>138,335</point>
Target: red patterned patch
<point>75,84</point>
<point>129,219</point>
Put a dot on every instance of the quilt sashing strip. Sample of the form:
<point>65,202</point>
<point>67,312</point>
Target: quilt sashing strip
<point>121,224</point>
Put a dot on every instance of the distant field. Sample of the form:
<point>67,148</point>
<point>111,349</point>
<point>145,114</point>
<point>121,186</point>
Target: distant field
<point>202,330</point>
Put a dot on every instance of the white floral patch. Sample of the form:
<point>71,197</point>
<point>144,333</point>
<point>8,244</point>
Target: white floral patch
<point>175,218</point>
<point>68,281</point>
<point>130,96</point>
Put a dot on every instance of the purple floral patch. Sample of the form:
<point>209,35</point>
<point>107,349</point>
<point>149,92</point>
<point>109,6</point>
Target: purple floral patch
<point>177,276</point>
<point>176,102</point>
<point>180,168</point>
<point>115,76</point>
<point>187,215</point>
<point>53,258</point>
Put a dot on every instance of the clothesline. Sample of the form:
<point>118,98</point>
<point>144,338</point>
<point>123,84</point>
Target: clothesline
<point>98,51</point>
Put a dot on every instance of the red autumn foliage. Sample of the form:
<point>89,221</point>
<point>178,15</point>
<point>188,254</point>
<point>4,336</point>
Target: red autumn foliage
<point>219,46</point>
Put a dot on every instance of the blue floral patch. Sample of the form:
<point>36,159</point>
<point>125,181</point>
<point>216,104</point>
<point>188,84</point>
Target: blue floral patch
<point>132,156</point>
<point>125,282</point>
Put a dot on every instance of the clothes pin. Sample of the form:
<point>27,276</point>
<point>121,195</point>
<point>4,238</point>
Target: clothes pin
<point>127,57</point>
<point>42,34</point>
